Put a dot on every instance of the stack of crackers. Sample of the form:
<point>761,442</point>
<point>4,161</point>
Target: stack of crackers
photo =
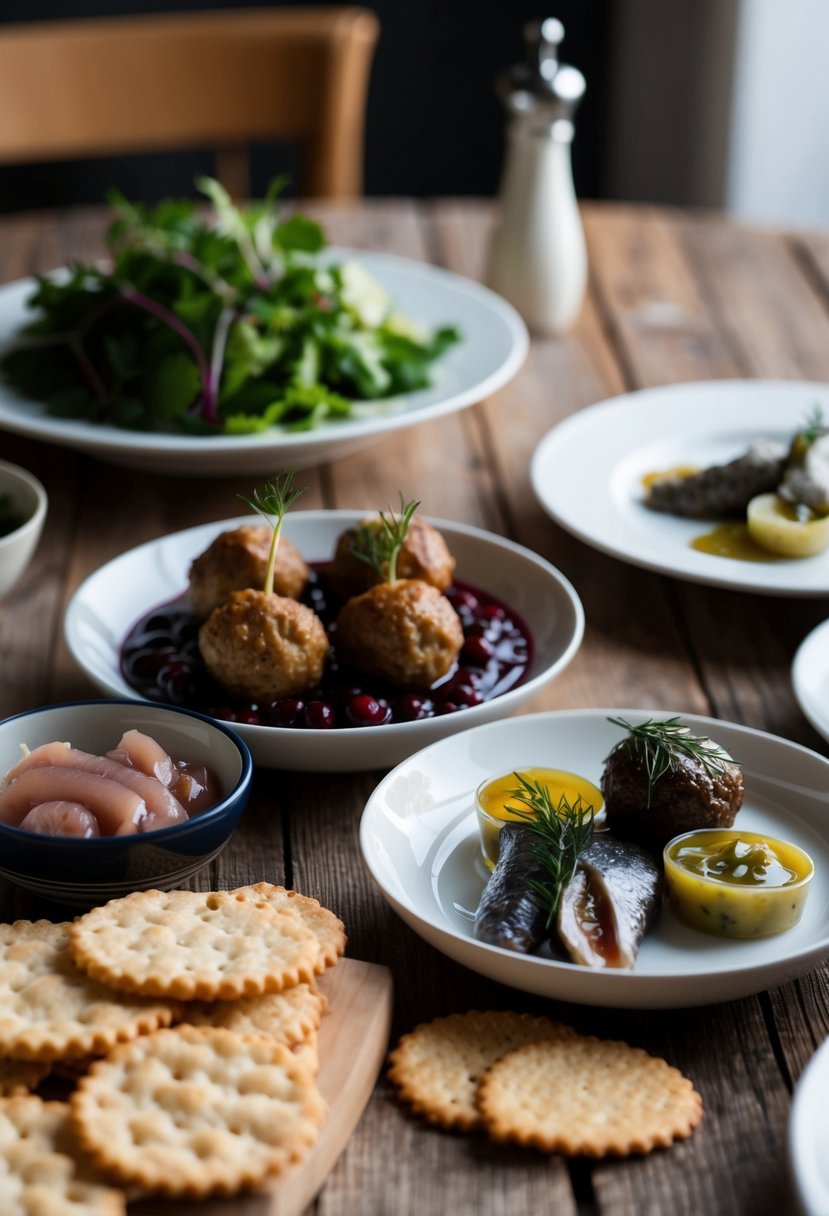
<point>188,1021</point>
<point>537,1082</point>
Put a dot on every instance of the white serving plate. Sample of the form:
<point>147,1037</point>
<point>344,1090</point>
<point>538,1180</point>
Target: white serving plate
<point>420,841</point>
<point>114,597</point>
<point>493,347</point>
<point>809,1136</point>
<point>587,474</point>
<point>810,678</point>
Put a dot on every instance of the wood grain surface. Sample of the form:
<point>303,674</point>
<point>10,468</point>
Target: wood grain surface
<point>673,296</point>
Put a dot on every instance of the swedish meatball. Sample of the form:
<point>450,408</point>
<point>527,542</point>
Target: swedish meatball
<point>263,646</point>
<point>424,555</point>
<point>405,631</point>
<point>237,560</point>
<point>686,797</point>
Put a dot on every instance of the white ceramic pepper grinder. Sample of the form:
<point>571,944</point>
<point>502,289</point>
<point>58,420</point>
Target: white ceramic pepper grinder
<point>538,258</point>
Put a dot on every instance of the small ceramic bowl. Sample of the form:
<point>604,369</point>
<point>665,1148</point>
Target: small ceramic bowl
<point>29,498</point>
<point>78,871</point>
<point>733,883</point>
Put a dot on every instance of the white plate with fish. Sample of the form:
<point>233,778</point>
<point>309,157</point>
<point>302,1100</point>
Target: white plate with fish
<point>493,346</point>
<point>588,473</point>
<point>419,838</point>
<point>809,1135</point>
<point>810,678</point>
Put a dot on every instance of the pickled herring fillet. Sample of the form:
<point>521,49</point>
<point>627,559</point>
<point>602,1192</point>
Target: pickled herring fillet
<point>610,903</point>
<point>140,751</point>
<point>721,490</point>
<point>162,807</point>
<point>508,914</point>
<point>61,818</point>
<point>119,811</point>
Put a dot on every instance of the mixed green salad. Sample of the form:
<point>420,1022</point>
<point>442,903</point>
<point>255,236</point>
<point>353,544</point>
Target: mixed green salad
<point>221,324</point>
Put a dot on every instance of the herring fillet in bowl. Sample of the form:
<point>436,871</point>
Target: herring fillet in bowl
<point>79,871</point>
<point>109,602</point>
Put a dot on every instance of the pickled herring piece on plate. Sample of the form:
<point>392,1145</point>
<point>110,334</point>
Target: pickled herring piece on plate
<point>721,490</point>
<point>61,818</point>
<point>509,915</point>
<point>196,787</point>
<point>611,902</point>
<point>120,811</point>
<point>162,808</point>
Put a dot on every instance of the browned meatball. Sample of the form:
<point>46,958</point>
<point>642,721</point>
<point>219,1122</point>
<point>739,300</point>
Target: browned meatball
<point>239,559</point>
<point>424,555</point>
<point>263,646</point>
<point>683,799</point>
<point>406,632</point>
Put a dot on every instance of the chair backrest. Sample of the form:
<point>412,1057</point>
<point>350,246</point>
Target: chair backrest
<point>221,80</point>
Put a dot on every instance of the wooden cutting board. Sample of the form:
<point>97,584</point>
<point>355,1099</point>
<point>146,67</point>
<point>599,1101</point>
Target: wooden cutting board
<point>353,1039</point>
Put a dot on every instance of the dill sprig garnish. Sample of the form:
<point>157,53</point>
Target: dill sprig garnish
<point>272,502</point>
<point>564,831</point>
<point>813,427</point>
<point>378,542</point>
<point>658,746</point>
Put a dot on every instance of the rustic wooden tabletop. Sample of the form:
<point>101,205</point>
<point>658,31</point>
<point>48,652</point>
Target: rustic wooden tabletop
<point>673,296</point>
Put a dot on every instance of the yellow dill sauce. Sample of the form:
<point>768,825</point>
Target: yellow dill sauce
<point>732,539</point>
<point>495,806</point>
<point>737,884</point>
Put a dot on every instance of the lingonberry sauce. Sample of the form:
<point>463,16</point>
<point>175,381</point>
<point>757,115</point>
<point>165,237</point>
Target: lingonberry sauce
<point>160,659</point>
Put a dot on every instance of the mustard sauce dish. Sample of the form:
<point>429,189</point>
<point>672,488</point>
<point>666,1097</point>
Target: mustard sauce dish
<point>733,883</point>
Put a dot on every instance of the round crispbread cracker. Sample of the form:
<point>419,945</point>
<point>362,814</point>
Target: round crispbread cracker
<point>197,1111</point>
<point>49,1010</point>
<point>193,945</point>
<point>21,1076</point>
<point>587,1097</point>
<point>290,1016</point>
<point>37,1172</point>
<point>437,1067</point>
<point>329,929</point>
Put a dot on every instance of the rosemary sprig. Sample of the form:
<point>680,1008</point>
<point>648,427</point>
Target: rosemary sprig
<point>813,427</point>
<point>564,831</point>
<point>272,502</point>
<point>378,542</point>
<point>658,746</point>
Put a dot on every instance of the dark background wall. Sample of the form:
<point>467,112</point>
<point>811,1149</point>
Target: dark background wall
<point>434,125</point>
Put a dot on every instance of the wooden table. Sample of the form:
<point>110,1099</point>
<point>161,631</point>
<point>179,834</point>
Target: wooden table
<point>673,296</point>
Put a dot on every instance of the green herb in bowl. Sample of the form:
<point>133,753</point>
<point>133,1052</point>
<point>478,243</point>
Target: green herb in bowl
<point>225,324</point>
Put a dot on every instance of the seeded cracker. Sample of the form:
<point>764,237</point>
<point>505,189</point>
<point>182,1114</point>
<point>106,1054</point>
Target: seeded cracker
<point>587,1097</point>
<point>194,945</point>
<point>36,1173</point>
<point>329,929</point>
<point>49,1010</point>
<point>197,1111</point>
<point>437,1067</point>
<point>291,1017</point>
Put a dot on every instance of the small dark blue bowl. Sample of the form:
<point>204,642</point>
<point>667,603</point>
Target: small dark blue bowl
<point>77,871</point>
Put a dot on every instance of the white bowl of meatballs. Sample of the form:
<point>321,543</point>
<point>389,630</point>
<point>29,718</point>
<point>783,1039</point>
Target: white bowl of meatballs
<point>338,666</point>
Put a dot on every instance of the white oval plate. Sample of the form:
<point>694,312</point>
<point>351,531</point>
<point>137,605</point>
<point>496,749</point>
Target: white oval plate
<point>810,678</point>
<point>114,597</point>
<point>587,474</point>
<point>493,347</point>
<point>420,842</point>
<point>809,1135</point>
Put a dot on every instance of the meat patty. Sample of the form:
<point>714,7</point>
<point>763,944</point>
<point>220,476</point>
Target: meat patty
<point>424,555</point>
<point>685,798</point>
<point>237,560</point>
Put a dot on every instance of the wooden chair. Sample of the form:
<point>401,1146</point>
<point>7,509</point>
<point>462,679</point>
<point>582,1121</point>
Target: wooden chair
<point>221,80</point>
